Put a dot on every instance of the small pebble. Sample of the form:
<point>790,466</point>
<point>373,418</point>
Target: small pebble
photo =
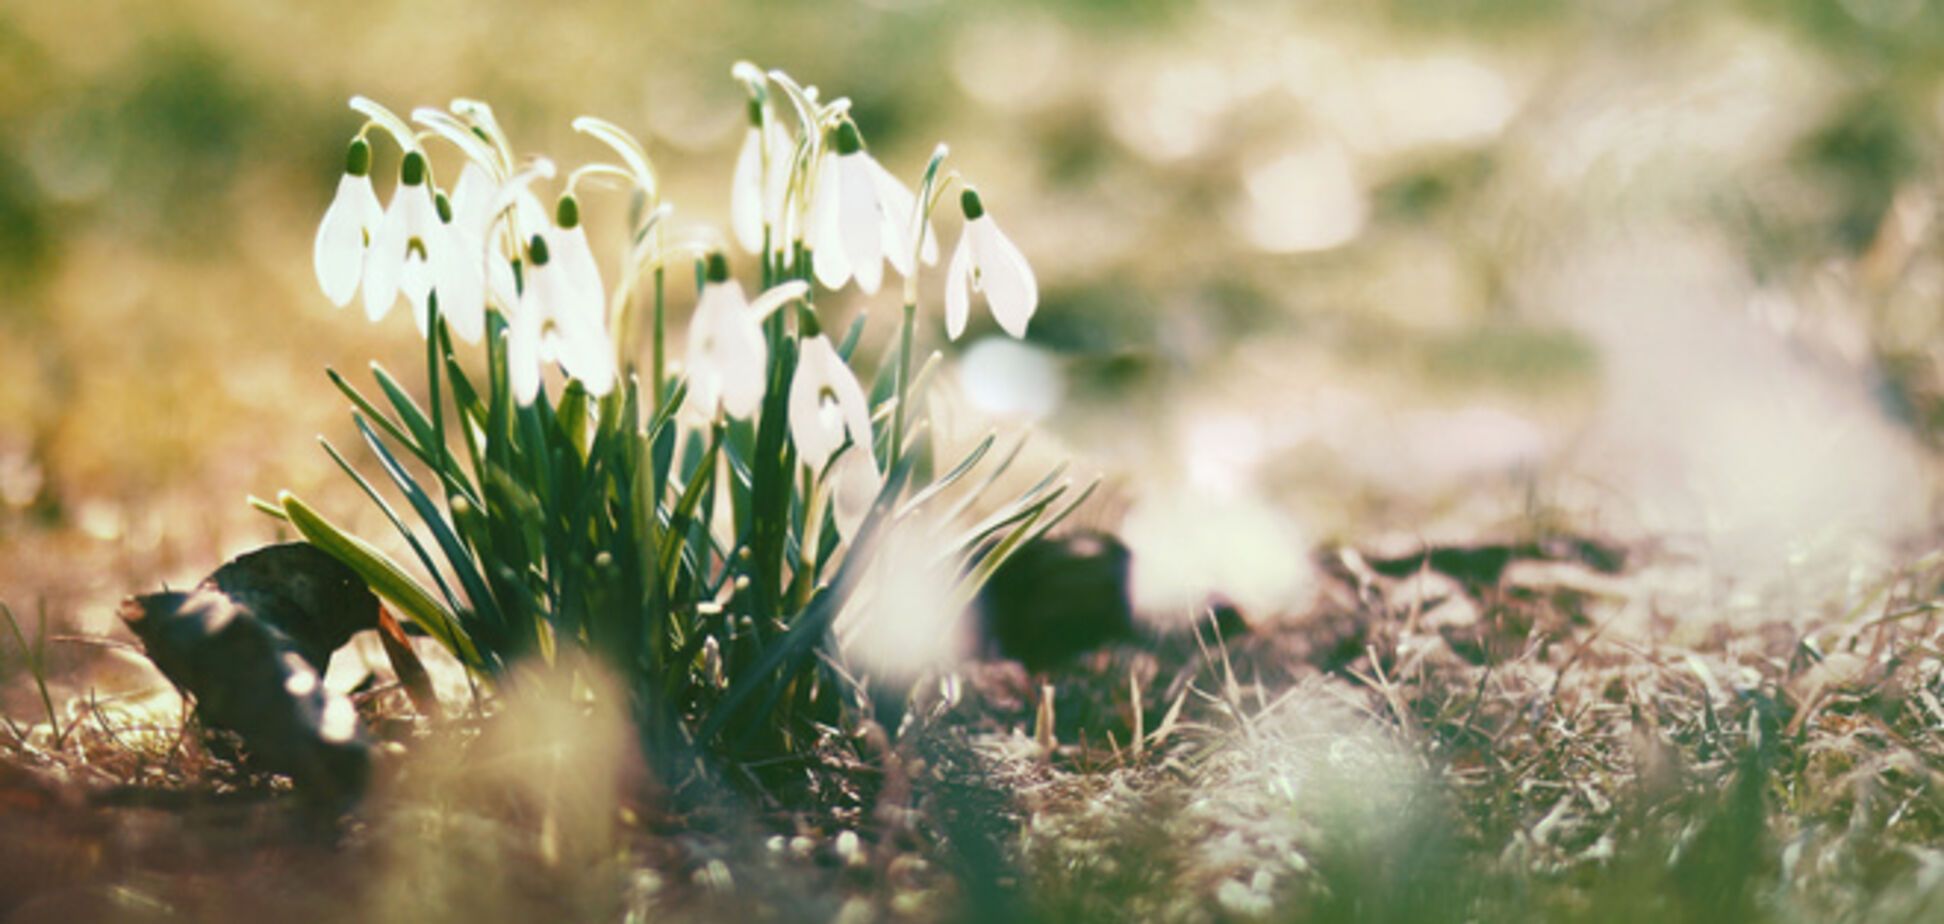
<point>849,849</point>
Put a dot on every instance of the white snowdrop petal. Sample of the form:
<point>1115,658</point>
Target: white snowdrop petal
<point>585,295</point>
<point>814,437</point>
<point>776,185</point>
<point>415,280</point>
<point>588,355</point>
<point>704,377</point>
<point>727,355</point>
<point>855,407</point>
<point>385,259</point>
<point>338,254</point>
<point>855,484</point>
<point>743,355</point>
<point>462,295</point>
<point>472,200</point>
<point>746,193</point>
<point>462,285</point>
<point>461,288</point>
<point>501,283</point>
<point>1005,277</point>
<point>523,351</point>
<point>859,220</point>
<point>529,216</point>
<point>958,282</point>
<point>826,239</point>
<point>424,244</point>
<point>898,207</point>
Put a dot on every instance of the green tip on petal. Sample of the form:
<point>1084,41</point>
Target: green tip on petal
<point>357,159</point>
<point>412,171</point>
<point>848,140</point>
<point>969,202</point>
<point>444,205</point>
<point>717,269</point>
<point>538,250</point>
<point>807,321</point>
<point>755,111</point>
<point>567,213</point>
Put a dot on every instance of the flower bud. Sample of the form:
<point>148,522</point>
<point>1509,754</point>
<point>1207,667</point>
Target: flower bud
<point>717,268</point>
<point>848,140</point>
<point>411,171</point>
<point>970,204</point>
<point>357,158</point>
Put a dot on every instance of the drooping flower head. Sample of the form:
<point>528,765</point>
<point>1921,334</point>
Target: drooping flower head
<point>830,424</point>
<point>762,181</point>
<point>468,220</point>
<point>854,486</point>
<point>986,261</point>
<point>586,295</point>
<point>827,406</point>
<point>550,326</point>
<point>348,226</point>
<point>412,252</point>
<point>848,227</point>
<point>726,351</point>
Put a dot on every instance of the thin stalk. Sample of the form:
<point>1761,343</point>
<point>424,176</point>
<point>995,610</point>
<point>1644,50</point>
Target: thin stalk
<point>903,382</point>
<point>36,655</point>
<point>810,539</point>
<point>661,329</point>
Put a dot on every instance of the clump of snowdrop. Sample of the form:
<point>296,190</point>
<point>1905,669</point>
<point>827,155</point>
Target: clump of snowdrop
<point>575,487</point>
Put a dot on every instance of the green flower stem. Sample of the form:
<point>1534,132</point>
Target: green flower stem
<point>903,382</point>
<point>805,581</point>
<point>661,333</point>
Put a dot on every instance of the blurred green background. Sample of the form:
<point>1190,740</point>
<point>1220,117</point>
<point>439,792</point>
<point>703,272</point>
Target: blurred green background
<point>1376,265</point>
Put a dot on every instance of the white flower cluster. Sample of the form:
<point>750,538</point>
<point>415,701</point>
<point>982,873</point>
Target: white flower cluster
<point>491,239</point>
<point>810,203</point>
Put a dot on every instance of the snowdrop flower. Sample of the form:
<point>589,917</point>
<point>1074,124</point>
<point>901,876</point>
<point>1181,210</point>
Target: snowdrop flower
<point>460,283</point>
<point>412,252</point>
<point>727,355</point>
<point>850,225</point>
<point>761,182</point>
<point>586,296</point>
<point>483,210</point>
<point>854,487</point>
<point>827,406</point>
<point>471,209</point>
<point>986,261</point>
<point>347,228</point>
<point>547,328</point>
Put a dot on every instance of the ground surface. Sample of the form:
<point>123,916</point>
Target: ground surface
<point>1436,746</point>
